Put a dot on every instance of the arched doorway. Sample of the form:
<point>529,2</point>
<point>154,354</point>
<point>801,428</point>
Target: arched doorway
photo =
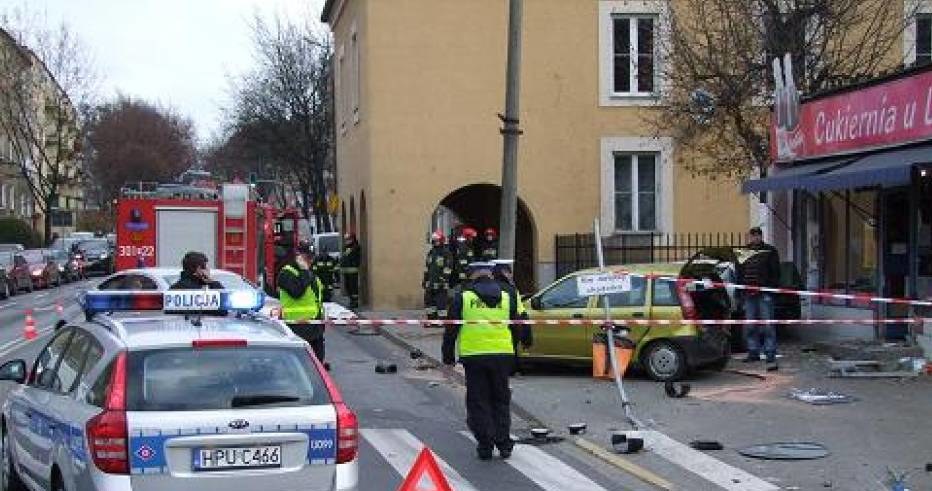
<point>478,206</point>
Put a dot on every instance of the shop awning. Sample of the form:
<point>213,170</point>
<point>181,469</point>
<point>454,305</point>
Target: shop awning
<point>792,177</point>
<point>885,169</point>
<point>889,168</point>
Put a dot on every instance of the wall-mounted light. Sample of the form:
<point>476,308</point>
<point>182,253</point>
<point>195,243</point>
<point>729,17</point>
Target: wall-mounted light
<point>924,172</point>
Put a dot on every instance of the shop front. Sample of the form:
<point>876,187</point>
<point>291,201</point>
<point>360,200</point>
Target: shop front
<point>852,185</point>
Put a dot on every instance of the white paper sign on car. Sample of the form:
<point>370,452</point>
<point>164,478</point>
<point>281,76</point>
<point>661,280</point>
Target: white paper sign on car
<point>603,284</point>
<point>192,300</point>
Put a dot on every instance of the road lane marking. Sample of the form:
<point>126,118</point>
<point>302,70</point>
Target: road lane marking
<point>547,471</point>
<point>624,464</point>
<point>8,305</point>
<point>400,449</point>
<point>711,469</point>
<point>41,295</point>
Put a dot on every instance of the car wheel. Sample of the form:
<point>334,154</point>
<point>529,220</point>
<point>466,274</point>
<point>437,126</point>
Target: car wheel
<point>664,361</point>
<point>9,479</point>
<point>32,287</point>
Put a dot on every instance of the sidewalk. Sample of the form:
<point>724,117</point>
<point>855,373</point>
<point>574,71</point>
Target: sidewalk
<point>742,406</point>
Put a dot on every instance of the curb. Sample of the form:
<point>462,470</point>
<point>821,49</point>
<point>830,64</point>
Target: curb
<point>590,447</point>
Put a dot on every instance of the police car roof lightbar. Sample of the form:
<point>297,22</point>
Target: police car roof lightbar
<point>174,301</point>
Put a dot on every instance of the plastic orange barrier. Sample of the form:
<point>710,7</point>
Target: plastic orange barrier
<point>601,363</point>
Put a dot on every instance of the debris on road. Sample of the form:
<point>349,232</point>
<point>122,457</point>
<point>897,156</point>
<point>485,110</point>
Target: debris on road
<point>677,390</point>
<point>621,443</point>
<point>382,367</point>
<point>785,451</point>
<point>706,445</point>
<point>820,397</point>
<point>577,428</point>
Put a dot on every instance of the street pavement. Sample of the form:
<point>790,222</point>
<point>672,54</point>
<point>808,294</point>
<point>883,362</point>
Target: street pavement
<point>740,407</point>
<point>398,413</point>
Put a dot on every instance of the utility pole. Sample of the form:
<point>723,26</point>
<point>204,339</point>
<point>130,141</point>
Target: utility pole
<point>511,130</point>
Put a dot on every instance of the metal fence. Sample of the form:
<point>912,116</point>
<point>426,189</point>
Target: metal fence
<point>577,251</point>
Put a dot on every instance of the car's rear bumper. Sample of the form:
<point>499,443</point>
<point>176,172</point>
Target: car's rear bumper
<point>347,476</point>
<point>709,347</point>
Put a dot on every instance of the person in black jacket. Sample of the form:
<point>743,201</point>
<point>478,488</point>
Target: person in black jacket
<point>194,274</point>
<point>759,265</point>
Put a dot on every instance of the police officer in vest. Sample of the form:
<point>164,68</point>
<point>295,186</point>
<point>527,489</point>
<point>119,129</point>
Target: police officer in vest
<point>300,293</point>
<point>484,345</point>
<point>501,271</point>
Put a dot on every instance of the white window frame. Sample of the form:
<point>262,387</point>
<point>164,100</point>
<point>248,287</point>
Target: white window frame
<point>910,34</point>
<point>354,62</point>
<point>663,147</point>
<point>608,11</point>
<point>3,196</point>
<point>340,81</point>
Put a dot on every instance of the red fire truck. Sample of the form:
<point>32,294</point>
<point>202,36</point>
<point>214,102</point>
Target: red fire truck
<point>157,225</point>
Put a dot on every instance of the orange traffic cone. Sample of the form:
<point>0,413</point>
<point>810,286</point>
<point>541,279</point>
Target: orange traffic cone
<point>29,331</point>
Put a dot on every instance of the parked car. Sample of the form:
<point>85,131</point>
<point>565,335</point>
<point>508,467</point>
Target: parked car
<point>20,275</point>
<point>97,256</point>
<point>329,243</point>
<point>11,247</point>
<point>665,352</point>
<point>43,270</point>
<point>7,284</point>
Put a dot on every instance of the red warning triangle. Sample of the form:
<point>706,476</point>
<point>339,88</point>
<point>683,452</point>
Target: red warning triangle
<point>425,464</point>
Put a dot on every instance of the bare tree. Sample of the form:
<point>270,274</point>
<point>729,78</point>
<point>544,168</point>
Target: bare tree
<point>718,70</point>
<point>283,109</point>
<point>132,140</point>
<point>45,77</point>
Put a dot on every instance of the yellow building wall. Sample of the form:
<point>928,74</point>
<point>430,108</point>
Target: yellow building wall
<point>433,82</point>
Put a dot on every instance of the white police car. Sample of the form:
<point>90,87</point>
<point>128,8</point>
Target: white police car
<point>211,396</point>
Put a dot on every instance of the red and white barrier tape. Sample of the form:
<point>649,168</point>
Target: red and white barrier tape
<point>618,322</point>
<point>858,297</point>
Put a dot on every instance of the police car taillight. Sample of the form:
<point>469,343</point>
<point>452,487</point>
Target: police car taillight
<point>347,423</point>
<point>107,434</point>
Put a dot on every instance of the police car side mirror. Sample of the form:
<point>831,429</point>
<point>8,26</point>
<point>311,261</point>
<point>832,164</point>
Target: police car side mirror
<point>14,371</point>
<point>60,324</point>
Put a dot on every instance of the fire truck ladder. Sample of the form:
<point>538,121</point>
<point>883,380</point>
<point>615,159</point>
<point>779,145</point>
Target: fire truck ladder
<point>234,229</point>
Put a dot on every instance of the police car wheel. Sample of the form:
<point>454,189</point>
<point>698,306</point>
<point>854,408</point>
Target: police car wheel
<point>9,479</point>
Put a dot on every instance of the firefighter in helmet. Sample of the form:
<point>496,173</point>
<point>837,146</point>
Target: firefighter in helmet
<point>325,267</point>
<point>350,261</point>
<point>437,274</point>
<point>465,253</point>
<point>490,245</point>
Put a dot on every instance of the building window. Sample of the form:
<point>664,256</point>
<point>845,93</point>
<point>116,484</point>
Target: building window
<point>62,218</point>
<point>636,192</point>
<point>355,83</point>
<point>631,35</point>
<point>923,39</point>
<point>636,184</point>
<point>341,88</point>
<point>633,52</point>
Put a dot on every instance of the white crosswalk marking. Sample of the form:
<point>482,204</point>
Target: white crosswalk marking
<point>548,472</point>
<point>400,449</point>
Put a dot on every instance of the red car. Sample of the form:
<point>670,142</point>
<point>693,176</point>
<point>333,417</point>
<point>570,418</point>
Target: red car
<point>42,269</point>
